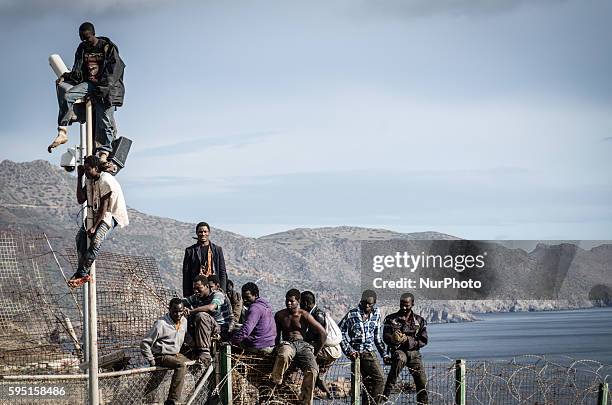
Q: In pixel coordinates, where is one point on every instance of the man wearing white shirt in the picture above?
(109, 210)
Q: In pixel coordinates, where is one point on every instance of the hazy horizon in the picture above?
(476, 119)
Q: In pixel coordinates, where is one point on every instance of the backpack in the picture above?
(334, 336)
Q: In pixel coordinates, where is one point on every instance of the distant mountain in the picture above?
(39, 197)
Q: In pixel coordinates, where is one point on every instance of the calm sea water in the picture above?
(580, 334)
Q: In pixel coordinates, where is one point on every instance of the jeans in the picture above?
(202, 327)
(87, 255)
(304, 357)
(104, 119)
(413, 360)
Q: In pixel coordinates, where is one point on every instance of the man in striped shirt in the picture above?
(227, 325)
(361, 338)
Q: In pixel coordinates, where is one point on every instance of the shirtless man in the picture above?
(290, 344)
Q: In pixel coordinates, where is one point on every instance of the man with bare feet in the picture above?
(97, 73)
(290, 326)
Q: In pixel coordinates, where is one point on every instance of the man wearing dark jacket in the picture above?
(97, 72)
(405, 333)
(203, 258)
(324, 360)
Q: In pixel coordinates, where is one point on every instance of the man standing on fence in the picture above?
(258, 333)
(162, 345)
(328, 354)
(109, 210)
(290, 324)
(203, 258)
(405, 333)
(360, 339)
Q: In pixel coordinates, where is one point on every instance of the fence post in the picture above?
(459, 382)
(603, 394)
(225, 360)
(355, 382)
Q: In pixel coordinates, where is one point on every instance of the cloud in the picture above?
(420, 8)
(203, 143)
(607, 139)
(41, 8)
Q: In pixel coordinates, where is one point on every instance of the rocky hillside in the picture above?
(37, 196)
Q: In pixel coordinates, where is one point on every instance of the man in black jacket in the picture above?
(405, 333)
(203, 258)
(97, 73)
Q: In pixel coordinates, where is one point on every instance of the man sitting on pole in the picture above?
(162, 345)
(109, 210)
(97, 73)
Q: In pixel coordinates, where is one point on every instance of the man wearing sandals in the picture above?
(97, 73)
(109, 210)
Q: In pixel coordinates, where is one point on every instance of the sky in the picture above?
(481, 119)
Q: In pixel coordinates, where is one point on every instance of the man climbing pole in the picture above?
(97, 73)
(109, 210)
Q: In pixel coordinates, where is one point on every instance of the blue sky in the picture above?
(480, 119)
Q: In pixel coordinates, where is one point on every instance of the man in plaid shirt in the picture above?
(361, 336)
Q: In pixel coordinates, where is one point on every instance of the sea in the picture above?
(558, 335)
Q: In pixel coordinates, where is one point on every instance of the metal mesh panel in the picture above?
(39, 317)
(522, 381)
(147, 387)
(41, 325)
(130, 296)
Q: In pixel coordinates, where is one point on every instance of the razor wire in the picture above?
(524, 380)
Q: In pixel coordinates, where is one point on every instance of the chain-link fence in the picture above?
(41, 327)
(526, 380)
(135, 387)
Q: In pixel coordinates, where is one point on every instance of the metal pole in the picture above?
(85, 303)
(603, 394)
(226, 374)
(91, 286)
(205, 379)
(356, 381)
(460, 382)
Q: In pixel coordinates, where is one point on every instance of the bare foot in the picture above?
(60, 139)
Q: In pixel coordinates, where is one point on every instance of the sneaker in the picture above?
(60, 139)
(109, 167)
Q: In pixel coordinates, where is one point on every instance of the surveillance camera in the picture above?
(69, 160)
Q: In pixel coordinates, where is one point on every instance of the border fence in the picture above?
(526, 380)
(41, 348)
(41, 324)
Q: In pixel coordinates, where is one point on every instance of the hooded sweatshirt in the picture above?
(259, 328)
